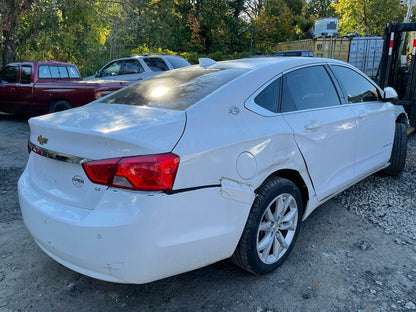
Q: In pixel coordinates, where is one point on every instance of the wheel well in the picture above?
(402, 119)
(296, 178)
(53, 102)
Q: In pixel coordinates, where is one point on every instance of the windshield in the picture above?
(178, 89)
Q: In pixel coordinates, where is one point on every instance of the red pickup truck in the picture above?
(35, 88)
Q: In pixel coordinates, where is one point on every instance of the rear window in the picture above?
(156, 64)
(178, 62)
(57, 72)
(178, 89)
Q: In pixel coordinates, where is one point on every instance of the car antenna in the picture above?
(205, 61)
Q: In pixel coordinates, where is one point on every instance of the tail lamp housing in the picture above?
(142, 173)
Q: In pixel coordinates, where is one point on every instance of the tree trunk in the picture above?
(9, 32)
(9, 48)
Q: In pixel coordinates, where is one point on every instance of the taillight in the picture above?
(144, 173)
(101, 94)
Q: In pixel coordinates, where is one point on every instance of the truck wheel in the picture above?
(60, 106)
(399, 151)
(271, 229)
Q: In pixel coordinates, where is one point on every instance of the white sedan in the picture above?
(204, 163)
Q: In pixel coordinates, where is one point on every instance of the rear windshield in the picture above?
(178, 89)
(57, 72)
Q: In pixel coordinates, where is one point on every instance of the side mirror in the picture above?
(97, 74)
(390, 94)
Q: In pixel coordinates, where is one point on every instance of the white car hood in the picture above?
(98, 131)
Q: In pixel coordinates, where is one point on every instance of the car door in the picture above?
(132, 69)
(375, 120)
(111, 70)
(24, 96)
(9, 76)
(324, 130)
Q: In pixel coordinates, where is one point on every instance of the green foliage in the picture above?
(320, 8)
(367, 17)
(90, 33)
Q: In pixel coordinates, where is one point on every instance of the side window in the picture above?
(308, 88)
(43, 71)
(112, 69)
(26, 74)
(73, 72)
(358, 88)
(9, 74)
(156, 63)
(269, 97)
(131, 67)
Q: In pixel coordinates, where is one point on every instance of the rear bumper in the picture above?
(133, 237)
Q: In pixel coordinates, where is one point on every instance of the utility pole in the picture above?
(409, 10)
(409, 4)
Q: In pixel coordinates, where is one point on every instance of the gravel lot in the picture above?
(389, 202)
(355, 253)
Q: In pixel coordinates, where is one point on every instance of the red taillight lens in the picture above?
(101, 171)
(144, 173)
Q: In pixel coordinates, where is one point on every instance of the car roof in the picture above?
(143, 56)
(282, 62)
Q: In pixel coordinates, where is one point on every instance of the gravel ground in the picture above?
(389, 202)
(355, 253)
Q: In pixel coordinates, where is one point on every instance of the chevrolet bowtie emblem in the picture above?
(42, 140)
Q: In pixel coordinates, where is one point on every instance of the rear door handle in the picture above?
(313, 125)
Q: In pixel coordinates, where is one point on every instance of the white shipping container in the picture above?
(365, 54)
(327, 26)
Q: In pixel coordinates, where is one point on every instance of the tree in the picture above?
(320, 8)
(367, 17)
(272, 25)
(11, 12)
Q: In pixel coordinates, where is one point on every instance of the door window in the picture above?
(156, 64)
(131, 67)
(357, 88)
(111, 69)
(26, 74)
(308, 88)
(9, 74)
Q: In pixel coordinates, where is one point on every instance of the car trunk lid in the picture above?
(62, 141)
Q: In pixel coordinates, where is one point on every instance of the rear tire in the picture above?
(60, 106)
(399, 151)
(272, 227)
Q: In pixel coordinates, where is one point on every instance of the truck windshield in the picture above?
(177, 89)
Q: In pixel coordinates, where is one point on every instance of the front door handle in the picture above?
(313, 125)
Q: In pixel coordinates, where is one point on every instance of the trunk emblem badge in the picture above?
(78, 181)
(42, 140)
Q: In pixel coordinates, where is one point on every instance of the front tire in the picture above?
(399, 151)
(272, 227)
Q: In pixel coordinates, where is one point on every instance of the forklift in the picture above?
(392, 72)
